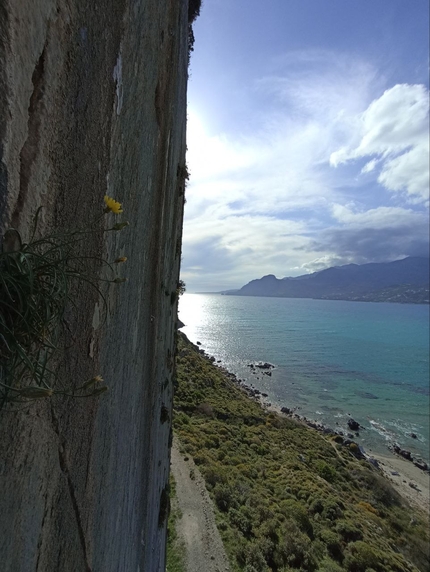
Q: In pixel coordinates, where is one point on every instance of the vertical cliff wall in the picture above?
(93, 102)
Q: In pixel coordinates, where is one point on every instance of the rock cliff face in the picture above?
(93, 102)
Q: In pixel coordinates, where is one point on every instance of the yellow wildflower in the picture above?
(120, 259)
(112, 205)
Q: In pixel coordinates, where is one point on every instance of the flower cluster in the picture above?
(112, 205)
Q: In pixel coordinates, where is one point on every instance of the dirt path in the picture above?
(196, 527)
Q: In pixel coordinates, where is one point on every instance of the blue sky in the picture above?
(307, 137)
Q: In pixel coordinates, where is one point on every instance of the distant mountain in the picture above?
(404, 281)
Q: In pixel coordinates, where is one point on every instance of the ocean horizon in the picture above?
(334, 360)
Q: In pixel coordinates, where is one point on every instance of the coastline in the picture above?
(375, 373)
(412, 483)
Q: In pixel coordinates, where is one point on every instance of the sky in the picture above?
(307, 137)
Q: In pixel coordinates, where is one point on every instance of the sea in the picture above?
(333, 360)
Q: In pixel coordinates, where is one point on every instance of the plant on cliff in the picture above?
(194, 7)
(193, 12)
(35, 290)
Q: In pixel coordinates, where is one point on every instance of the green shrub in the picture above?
(326, 471)
(317, 506)
(348, 531)
(329, 566)
(214, 474)
(360, 557)
(332, 509)
(241, 520)
(332, 542)
(253, 558)
(296, 511)
(200, 459)
(224, 497)
(294, 547)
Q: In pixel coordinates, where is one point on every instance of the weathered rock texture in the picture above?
(93, 101)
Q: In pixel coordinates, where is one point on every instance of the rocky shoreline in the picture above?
(415, 478)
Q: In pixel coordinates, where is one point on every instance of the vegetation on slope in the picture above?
(286, 497)
(175, 553)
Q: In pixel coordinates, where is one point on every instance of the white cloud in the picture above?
(373, 235)
(267, 201)
(322, 262)
(395, 128)
(409, 171)
(370, 166)
(381, 217)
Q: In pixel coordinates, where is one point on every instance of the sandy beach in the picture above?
(410, 481)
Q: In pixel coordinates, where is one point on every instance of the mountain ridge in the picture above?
(405, 281)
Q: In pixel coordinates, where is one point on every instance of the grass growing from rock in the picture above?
(286, 497)
(36, 279)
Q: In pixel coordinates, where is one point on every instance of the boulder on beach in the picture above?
(373, 462)
(421, 464)
(406, 454)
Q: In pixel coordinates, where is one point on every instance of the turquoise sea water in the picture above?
(332, 358)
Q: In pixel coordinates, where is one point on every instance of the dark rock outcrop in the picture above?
(353, 425)
(421, 464)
